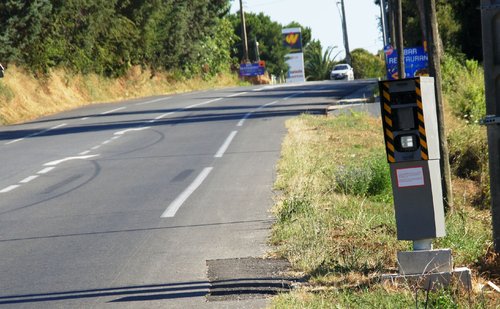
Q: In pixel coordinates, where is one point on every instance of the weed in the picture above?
(336, 220)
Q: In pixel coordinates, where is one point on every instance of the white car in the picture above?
(342, 71)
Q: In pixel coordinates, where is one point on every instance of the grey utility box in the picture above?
(412, 145)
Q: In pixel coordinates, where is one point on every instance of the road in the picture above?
(121, 205)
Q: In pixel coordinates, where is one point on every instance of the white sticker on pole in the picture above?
(410, 177)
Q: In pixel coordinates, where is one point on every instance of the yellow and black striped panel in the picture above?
(424, 152)
(385, 102)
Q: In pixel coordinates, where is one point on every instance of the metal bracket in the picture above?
(490, 120)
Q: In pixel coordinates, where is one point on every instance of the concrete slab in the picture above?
(425, 261)
(431, 281)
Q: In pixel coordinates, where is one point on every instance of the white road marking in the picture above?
(96, 147)
(164, 115)
(293, 95)
(113, 110)
(14, 141)
(269, 104)
(56, 162)
(203, 103)
(37, 133)
(224, 146)
(84, 152)
(45, 170)
(106, 142)
(236, 94)
(153, 101)
(84, 118)
(9, 188)
(242, 121)
(131, 130)
(28, 179)
(177, 203)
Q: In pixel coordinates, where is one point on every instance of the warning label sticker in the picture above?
(410, 177)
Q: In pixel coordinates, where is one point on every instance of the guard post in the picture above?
(409, 118)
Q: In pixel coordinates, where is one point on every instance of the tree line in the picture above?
(196, 37)
(109, 36)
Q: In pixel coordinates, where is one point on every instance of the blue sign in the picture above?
(416, 62)
(251, 69)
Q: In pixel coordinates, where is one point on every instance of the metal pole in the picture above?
(257, 53)
(399, 40)
(244, 34)
(392, 22)
(491, 55)
(383, 22)
(433, 48)
(346, 39)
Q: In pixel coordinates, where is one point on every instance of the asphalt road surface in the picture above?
(120, 205)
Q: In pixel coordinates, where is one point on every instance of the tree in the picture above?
(459, 26)
(367, 65)
(268, 33)
(318, 64)
(24, 26)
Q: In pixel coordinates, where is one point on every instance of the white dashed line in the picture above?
(236, 94)
(131, 130)
(84, 153)
(224, 146)
(293, 95)
(28, 179)
(153, 101)
(9, 188)
(37, 133)
(164, 115)
(242, 121)
(45, 170)
(177, 203)
(113, 110)
(203, 103)
(56, 162)
(14, 141)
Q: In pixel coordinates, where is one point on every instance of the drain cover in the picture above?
(246, 278)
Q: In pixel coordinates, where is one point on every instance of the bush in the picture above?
(369, 179)
(469, 158)
(367, 65)
(463, 85)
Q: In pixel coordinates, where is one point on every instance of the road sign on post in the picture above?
(490, 16)
(252, 69)
(415, 58)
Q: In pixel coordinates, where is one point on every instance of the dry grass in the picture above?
(345, 241)
(24, 97)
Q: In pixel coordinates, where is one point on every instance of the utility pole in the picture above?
(392, 22)
(491, 55)
(399, 39)
(244, 34)
(383, 21)
(257, 52)
(434, 52)
(346, 39)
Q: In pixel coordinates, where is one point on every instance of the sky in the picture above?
(323, 17)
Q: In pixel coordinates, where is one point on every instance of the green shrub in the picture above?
(463, 86)
(370, 179)
(469, 159)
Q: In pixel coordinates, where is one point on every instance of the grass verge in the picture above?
(24, 97)
(335, 221)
